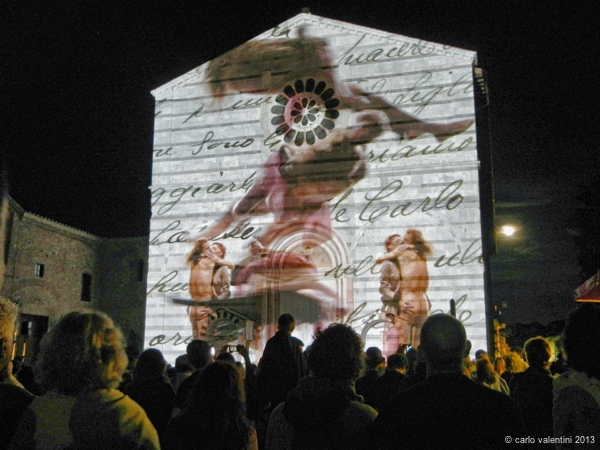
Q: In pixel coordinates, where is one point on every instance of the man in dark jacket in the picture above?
(282, 364)
(388, 384)
(375, 363)
(447, 410)
(323, 411)
(199, 357)
(532, 390)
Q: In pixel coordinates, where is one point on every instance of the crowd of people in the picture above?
(330, 395)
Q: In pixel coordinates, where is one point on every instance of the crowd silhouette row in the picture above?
(329, 395)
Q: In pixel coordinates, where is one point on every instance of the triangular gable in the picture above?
(323, 27)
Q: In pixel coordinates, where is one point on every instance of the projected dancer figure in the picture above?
(296, 184)
(413, 303)
(318, 160)
(289, 271)
(209, 280)
(297, 59)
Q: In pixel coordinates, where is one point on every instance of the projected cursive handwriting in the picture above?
(409, 151)
(211, 145)
(461, 314)
(196, 113)
(163, 152)
(157, 104)
(471, 254)
(162, 284)
(422, 94)
(176, 195)
(364, 266)
(349, 58)
(362, 321)
(172, 235)
(448, 198)
(217, 188)
(240, 104)
(163, 236)
(176, 340)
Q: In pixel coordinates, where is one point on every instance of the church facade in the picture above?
(317, 141)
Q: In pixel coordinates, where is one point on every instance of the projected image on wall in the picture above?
(319, 172)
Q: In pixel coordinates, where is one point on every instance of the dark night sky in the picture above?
(77, 117)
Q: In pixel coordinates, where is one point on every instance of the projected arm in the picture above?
(405, 125)
(219, 261)
(394, 253)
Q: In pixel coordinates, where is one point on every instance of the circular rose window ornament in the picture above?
(303, 112)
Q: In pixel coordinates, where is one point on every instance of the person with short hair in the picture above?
(323, 411)
(576, 406)
(481, 353)
(282, 364)
(532, 390)
(499, 365)
(183, 369)
(199, 357)
(81, 362)
(375, 363)
(388, 384)
(447, 410)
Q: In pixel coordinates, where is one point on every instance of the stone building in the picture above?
(51, 268)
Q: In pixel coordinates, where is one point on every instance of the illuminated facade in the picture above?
(319, 139)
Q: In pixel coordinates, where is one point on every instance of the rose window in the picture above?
(305, 112)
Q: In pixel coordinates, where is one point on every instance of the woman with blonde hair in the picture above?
(514, 364)
(499, 366)
(81, 363)
(486, 376)
(576, 393)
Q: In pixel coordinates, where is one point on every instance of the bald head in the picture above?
(443, 341)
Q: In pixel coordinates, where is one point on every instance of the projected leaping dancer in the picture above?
(288, 271)
(316, 161)
(412, 309)
(296, 186)
(209, 280)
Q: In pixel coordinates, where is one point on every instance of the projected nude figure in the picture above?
(316, 160)
(389, 288)
(413, 307)
(209, 280)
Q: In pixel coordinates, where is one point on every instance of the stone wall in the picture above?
(117, 268)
